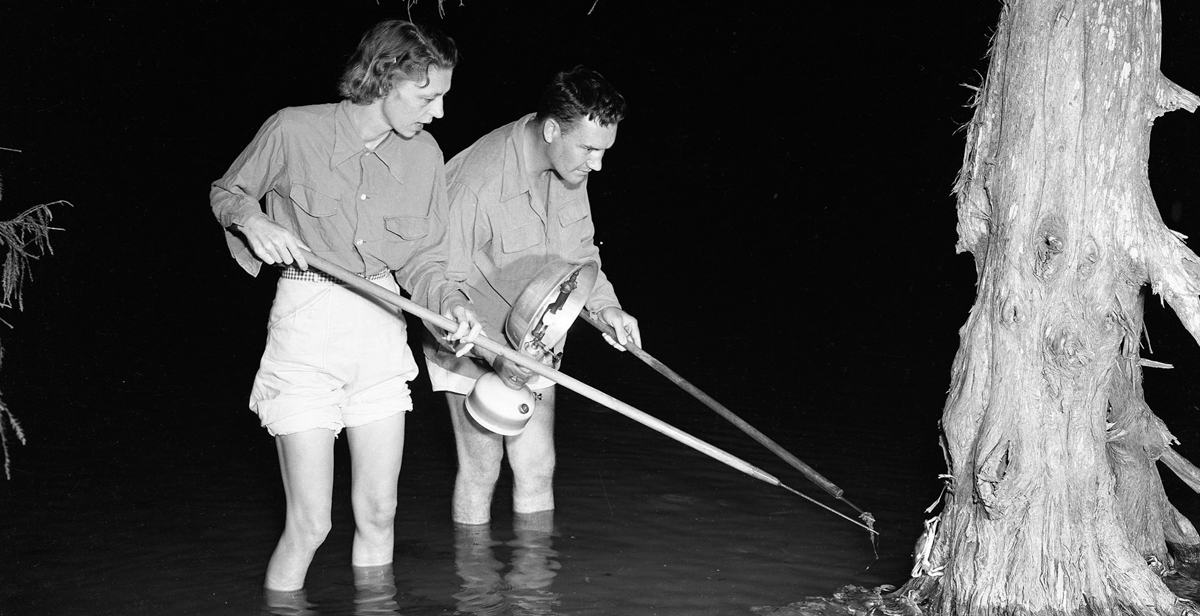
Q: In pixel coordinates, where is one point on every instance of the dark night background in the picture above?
(780, 192)
(777, 204)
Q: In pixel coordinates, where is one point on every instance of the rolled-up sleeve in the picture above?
(235, 197)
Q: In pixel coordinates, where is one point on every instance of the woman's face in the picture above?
(410, 106)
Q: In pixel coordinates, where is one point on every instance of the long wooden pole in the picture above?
(754, 433)
(572, 383)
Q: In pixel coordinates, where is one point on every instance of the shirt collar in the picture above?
(347, 144)
(391, 152)
(515, 181)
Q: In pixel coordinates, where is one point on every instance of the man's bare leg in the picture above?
(479, 455)
(531, 455)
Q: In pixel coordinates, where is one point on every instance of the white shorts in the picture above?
(334, 358)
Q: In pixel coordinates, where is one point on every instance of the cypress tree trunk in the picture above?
(1054, 501)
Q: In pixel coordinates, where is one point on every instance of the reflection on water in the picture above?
(374, 595)
(375, 591)
(287, 603)
(525, 588)
(497, 578)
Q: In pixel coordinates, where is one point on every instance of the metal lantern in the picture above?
(498, 407)
(546, 308)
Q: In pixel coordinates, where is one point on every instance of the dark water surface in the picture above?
(162, 503)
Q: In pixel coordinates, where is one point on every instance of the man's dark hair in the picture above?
(392, 52)
(581, 93)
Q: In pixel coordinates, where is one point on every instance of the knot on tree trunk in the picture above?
(1066, 354)
(990, 473)
(1047, 261)
(1010, 313)
(1090, 259)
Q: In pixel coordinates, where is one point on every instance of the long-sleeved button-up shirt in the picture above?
(365, 210)
(503, 230)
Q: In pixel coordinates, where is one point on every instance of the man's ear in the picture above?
(550, 130)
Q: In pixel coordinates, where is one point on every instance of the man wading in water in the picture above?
(518, 200)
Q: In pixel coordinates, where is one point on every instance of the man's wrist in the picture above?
(455, 299)
(242, 220)
(598, 313)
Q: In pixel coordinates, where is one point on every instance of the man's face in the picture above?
(579, 152)
(410, 106)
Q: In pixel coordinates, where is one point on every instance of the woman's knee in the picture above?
(377, 513)
(310, 528)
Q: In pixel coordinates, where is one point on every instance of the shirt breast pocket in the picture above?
(521, 250)
(410, 228)
(406, 235)
(313, 202)
(573, 212)
(514, 241)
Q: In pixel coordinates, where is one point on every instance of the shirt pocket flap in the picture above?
(572, 212)
(408, 227)
(520, 238)
(314, 203)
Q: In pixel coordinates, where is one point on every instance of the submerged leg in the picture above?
(306, 464)
(376, 451)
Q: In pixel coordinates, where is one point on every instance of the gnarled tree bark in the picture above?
(1055, 504)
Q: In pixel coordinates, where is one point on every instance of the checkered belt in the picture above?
(292, 272)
